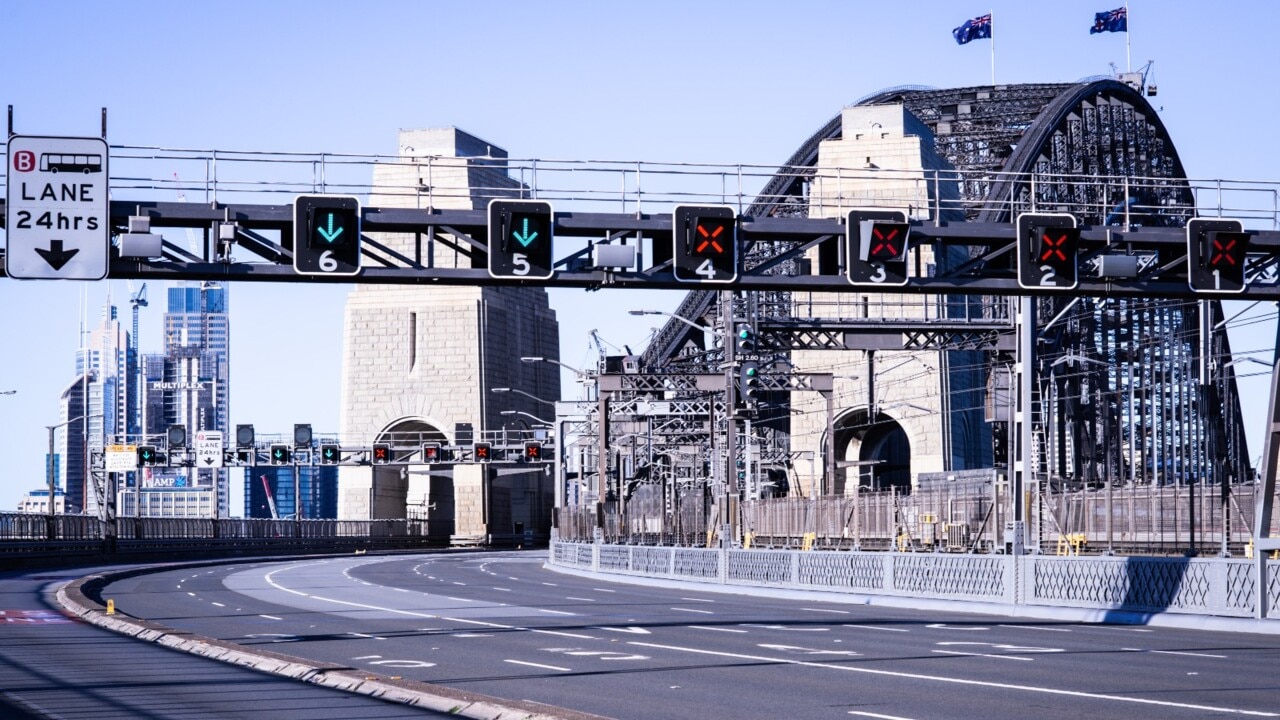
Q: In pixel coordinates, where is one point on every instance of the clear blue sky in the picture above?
(715, 82)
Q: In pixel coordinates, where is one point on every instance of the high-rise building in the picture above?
(188, 385)
(269, 492)
(97, 407)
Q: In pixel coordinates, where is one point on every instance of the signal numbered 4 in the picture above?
(1216, 250)
(876, 247)
(520, 239)
(705, 243)
(1048, 248)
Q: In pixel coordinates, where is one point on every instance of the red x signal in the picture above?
(709, 238)
(886, 243)
(1052, 249)
(1223, 249)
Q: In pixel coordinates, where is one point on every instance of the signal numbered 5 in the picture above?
(520, 239)
(1048, 248)
(705, 248)
(1216, 250)
(876, 245)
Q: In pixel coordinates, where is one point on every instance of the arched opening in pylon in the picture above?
(873, 452)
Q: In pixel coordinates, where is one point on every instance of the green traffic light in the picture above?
(751, 371)
(330, 234)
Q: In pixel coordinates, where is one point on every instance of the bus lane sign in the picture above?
(57, 218)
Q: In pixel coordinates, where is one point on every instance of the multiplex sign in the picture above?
(56, 208)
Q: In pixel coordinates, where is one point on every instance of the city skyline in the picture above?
(287, 337)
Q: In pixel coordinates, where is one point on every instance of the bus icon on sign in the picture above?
(58, 162)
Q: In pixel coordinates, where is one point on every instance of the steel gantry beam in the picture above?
(1158, 253)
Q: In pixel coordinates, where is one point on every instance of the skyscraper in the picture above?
(188, 385)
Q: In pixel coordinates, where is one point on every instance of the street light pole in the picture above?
(49, 475)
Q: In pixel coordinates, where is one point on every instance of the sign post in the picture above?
(209, 449)
(57, 218)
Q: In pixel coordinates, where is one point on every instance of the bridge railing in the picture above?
(227, 176)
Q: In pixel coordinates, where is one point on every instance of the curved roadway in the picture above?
(503, 625)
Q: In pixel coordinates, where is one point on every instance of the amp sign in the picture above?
(56, 208)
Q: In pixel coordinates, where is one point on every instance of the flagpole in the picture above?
(992, 48)
(1128, 56)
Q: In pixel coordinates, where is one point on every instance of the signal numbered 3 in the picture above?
(1048, 248)
(520, 239)
(705, 244)
(326, 235)
(1216, 250)
(876, 247)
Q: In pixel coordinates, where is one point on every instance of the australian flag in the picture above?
(975, 29)
(1111, 21)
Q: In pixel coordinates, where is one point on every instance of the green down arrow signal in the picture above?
(279, 453)
(524, 236)
(328, 453)
(330, 235)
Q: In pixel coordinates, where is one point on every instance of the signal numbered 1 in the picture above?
(1216, 250)
(1048, 248)
(876, 247)
(705, 244)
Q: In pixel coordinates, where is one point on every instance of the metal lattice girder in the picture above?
(653, 383)
(957, 340)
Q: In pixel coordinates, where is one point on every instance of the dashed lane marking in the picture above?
(700, 612)
(876, 627)
(538, 665)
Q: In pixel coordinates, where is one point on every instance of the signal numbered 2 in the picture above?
(520, 239)
(1048, 248)
(705, 244)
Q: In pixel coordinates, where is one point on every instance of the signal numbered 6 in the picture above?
(326, 235)
(705, 243)
(1048, 248)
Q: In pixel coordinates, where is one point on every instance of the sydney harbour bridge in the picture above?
(958, 409)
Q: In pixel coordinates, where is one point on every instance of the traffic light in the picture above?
(280, 455)
(301, 435)
(176, 437)
(1216, 251)
(749, 385)
(533, 451)
(746, 338)
(247, 458)
(1048, 250)
(326, 235)
(146, 456)
(482, 452)
(705, 248)
(330, 454)
(381, 454)
(244, 436)
(876, 247)
(431, 453)
(520, 239)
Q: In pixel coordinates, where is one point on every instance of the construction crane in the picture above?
(271, 503)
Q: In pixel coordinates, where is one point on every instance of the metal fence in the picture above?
(1202, 586)
(1145, 519)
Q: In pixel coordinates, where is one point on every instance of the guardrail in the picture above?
(1200, 586)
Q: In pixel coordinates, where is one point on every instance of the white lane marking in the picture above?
(191, 594)
(513, 578)
(1175, 652)
(704, 627)
(700, 612)
(985, 655)
(554, 612)
(873, 627)
(403, 663)
(877, 715)
(450, 597)
(697, 599)
(580, 599)
(805, 651)
(958, 681)
(603, 590)
(565, 634)
(271, 617)
(455, 582)
(1121, 629)
(1034, 627)
(1010, 648)
(219, 604)
(551, 584)
(363, 635)
(944, 626)
(537, 665)
(629, 629)
(837, 612)
(784, 627)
